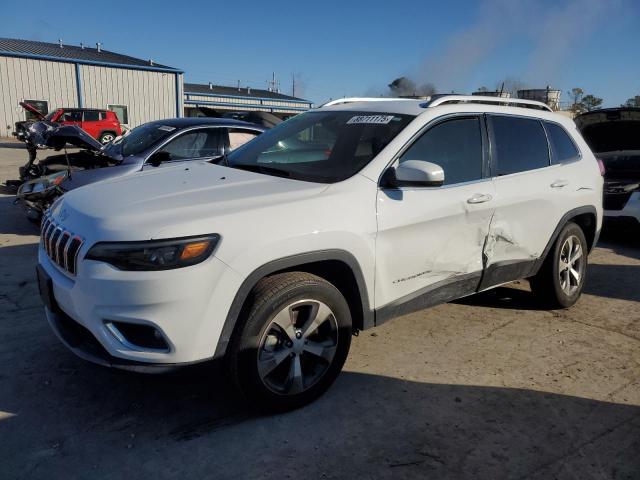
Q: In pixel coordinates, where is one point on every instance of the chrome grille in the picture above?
(62, 246)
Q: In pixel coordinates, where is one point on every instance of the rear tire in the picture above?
(291, 341)
(560, 280)
(106, 137)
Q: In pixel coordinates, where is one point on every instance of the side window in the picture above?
(238, 137)
(563, 148)
(455, 145)
(71, 116)
(519, 144)
(91, 116)
(194, 144)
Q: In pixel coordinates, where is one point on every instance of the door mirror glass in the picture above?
(159, 157)
(419, 173)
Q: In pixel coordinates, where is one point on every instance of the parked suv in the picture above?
(335, 221)
(613, 134)
(103, 125)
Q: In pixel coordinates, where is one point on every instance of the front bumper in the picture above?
(187, 306)
(630, 211)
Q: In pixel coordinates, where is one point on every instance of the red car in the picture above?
(103, 125)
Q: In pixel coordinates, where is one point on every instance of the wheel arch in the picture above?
(586, 217)
(338, 267)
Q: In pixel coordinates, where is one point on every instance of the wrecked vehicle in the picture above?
(103, 125)
(614, 136)
(335, 221)
(152, 145)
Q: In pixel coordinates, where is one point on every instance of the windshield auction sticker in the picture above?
(376, 119)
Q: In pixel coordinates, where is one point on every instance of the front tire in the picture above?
(561, 278)
(292, 341)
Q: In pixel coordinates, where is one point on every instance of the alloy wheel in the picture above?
(571, 265)
(297, 347)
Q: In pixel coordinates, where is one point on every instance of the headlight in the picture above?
(155, 254)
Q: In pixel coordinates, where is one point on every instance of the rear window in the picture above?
(563, 148)
(518, 144)
(91, 116)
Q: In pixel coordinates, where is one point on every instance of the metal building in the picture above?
(547, 95)
(199, 99)
(52, 75)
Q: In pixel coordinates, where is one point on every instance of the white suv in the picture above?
(335, 221)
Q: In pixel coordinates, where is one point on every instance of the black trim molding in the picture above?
(284, 264)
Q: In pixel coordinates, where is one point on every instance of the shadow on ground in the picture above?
(14, 219)
(16, 145)
(72, 418)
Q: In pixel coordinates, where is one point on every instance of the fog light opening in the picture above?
(136, 336)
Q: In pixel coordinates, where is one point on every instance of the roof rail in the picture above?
(364, 99)
(507, 102)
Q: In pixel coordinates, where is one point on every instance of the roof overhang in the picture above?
(150, 68)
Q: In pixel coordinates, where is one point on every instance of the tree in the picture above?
(576, 94)
(590, 102)
(633, 102)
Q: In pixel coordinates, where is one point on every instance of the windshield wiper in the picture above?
(262, 169)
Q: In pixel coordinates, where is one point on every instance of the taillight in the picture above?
(601, 167)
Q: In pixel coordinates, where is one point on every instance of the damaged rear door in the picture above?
(531, 197)
(430, 239)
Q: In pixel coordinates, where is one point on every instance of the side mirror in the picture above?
(157, 158)
(415, 173)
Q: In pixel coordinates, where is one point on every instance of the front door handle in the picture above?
(560, 183)
(479, 198)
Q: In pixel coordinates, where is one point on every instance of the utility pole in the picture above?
(273, 84)
(293, 84)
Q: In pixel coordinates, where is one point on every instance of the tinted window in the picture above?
(321, 146)
(455, 145)
(519, 144)
(561, 144)
(91, 116)
(195, 144)
(71, 116)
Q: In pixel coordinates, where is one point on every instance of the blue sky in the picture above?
(338, 48)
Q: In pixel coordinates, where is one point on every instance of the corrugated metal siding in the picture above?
(148, 95)
(22, 78)
(245, 101)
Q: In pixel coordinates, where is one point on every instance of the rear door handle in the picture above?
(479, 198)
(559, 183)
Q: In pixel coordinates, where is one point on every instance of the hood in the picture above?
(73, 135)
(81, 178)
(30, 108)
(197, 197)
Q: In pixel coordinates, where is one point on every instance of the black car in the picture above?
(613, 134)
(149, 146)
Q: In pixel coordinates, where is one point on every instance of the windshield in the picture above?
(140, 138)
(321, 146)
